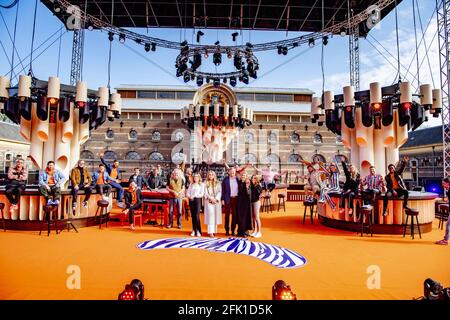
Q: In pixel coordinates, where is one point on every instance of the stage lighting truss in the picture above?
(245, 63)
(89, 21)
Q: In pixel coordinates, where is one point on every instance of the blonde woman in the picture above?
(195, 193)
(213, 206)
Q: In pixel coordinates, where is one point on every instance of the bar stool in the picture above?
(2, 207)
(309, 204)
(413, 213)
(102, 212)
(444, 215)
(50, 210)
(366, 212)
(266, 204)
(281, 201)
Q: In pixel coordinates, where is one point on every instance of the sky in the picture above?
(300, 68)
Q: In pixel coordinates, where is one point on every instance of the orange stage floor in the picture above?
(34, 267)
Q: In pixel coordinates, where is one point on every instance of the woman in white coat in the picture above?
(213, 206)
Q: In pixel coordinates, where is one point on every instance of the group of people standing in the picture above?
(323, 180)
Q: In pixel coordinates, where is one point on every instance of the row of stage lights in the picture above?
(215, 115)
(377, 105)
(95, 108)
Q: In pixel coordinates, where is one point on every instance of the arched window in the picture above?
(110, 155)
(273, 138)
(156, 136)
(86, 154)
(295, 138)
(133, 134)
(294, 158)
(132, 155)
(249, 158)
(317, 138)
(109, 134)
(249, 137)
(156, 156)
(179, 136)
(178, 158)
(318, 158)
(272, 158)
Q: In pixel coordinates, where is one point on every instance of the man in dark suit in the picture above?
(155, 181)
(395, 185)
(138, 179)
(230, 189)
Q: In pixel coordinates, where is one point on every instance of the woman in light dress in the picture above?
(213, 206)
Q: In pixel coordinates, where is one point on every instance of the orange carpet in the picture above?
(34, 267)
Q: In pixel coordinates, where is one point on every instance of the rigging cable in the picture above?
(14, 41)
(11, 38)
(415, 38)
(398, 45)
(30, 72)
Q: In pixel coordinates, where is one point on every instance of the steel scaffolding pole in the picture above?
(77, 56)
(443, 19)
(354, 57)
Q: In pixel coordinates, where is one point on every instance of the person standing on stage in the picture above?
(446, 186)
(195, 193)
(50, 181)
(229, 200)
(115, 177)
(244, 204)
(176, 188)
(138, 179)
(351, 186)
(312, 187)
(155, 180)
(256, 193)
(332, 174)
(17, 180)
(80, 179)
(133, 202)
(395, 185)
(213, 207)
(372, 185)
(101, 180)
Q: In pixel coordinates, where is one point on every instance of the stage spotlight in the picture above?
(237, 61)
(233, 81)
(245, 78)
(56, 8)
(199, 81)
(417, 115)
(234, 35)
(110, 36)
(367, 117)
(229, 54)
(311, 42)
(285, 51)
(133, 291)
(404, 109)
(147, 47)
(153, 46)
(280, 49)
(325, 40)
(181, 69)
(387, 112)
(216, 82)
(208, 79)
(199, 35)
(282, 291)
(187, 77)
(295, 45)
(196, 60)
(217, 42)
(122, 38)
(224, 80)
(206, 55)
(217, 57)
(437, 102)
(343, 32)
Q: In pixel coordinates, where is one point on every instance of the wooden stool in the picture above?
(444, 215)
(310, 204)
(413, 213)
(102, 212)
(48, 211)
(266, 204)
(281, 200)
(2, 207)
(366, 211)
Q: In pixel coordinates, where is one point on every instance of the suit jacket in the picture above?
(128, 199)
(109, 166)
(226, 189)
(75, 176)
(140, 180)
(397, 176)
(155, 182)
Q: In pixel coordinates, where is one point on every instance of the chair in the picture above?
(444, 215)
(266, 204)
(366, 214)
(309, 204)
(413, 213)
(48, 211)
(2, 207)
(102, 212)
(281, 201)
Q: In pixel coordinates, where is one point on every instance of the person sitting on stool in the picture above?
(101, 180)
(17, 179)
(50, 180)
(133, 202)
(372, 185)
(395, 185)
(446, 186)
(80, 178)
(138, 179)
(351, 186)
(312, 187)
(115, 177)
